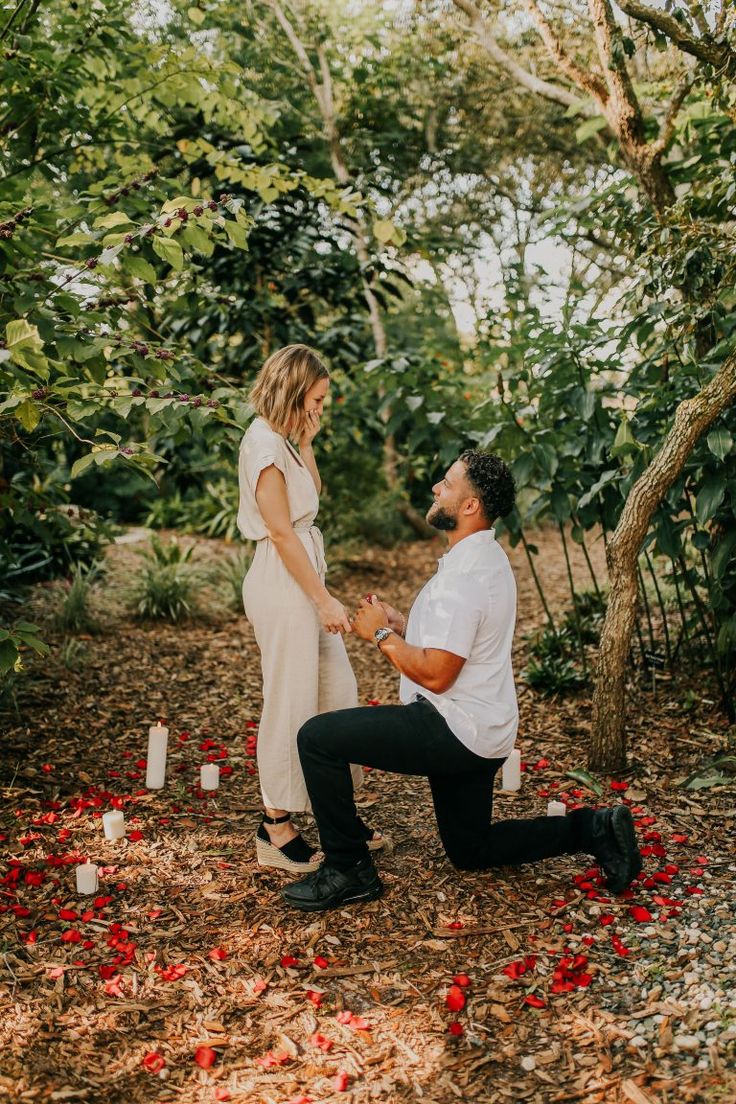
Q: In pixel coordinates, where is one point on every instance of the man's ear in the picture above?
(472, 507)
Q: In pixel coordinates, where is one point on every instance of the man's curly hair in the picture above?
(492, 481)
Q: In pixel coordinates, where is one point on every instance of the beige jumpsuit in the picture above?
(305, 669)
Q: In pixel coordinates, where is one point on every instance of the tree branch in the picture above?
(667, 127)
(713, 53)
(622, 104)
(585, 80)
(526, 79)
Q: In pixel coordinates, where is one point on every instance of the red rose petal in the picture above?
(205, 1057)
(153, 1062)
(533, 1001)
(341, 1082)
(455, 1028)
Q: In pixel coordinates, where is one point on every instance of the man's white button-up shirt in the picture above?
(469, 608)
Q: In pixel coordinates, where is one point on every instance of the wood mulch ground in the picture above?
(188, 956)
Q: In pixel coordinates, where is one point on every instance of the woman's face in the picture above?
(316, 395)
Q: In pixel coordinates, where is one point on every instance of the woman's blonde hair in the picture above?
(282, 384)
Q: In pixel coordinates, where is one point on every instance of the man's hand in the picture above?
(369, 617)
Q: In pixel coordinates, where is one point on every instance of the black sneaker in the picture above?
(613, 842)
(329, 888)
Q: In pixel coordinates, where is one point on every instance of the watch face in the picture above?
(381, 634)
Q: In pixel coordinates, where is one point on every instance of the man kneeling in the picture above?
(459, 719)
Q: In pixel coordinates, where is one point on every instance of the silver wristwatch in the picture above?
(380, 635)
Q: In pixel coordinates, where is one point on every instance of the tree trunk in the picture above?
(692, 418)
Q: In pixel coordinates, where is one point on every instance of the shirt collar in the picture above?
(465, 547)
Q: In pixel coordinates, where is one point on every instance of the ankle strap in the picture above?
(276, 820)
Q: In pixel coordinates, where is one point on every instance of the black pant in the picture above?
(415, 739)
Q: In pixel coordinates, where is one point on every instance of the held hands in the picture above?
(333, 616)
(370, 616)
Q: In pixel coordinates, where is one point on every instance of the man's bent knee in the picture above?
(308, 735)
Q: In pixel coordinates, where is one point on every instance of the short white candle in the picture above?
(511, 774)
(113, 822)
(87, 878)
(556, 808)
(158, 738)
(209, 776)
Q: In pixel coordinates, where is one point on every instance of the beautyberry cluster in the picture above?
(7, 229)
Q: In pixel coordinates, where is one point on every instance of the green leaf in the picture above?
(586, 779)
(28, 415)
(624, 442)
(720, 442)
(24, 345)
(236, 234)
(9, 656)
(199, 240)
(710, 496)
(589, 128)
(196, 15)
(79, 466)
(141, 269)
(170, 251)
(115, 218)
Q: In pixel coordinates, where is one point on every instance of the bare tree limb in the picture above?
(718, 54)
(527, 80)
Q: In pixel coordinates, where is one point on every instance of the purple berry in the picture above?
(136, 392)
(199, 209)
(91, 262)
(153, 394)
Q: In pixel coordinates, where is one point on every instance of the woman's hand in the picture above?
(333, 616)
(311, 428)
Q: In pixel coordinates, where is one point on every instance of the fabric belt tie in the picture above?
(318, 544)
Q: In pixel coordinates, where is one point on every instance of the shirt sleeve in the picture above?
(258, 456)
(453, 614)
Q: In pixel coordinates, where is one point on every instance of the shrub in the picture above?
(168, 582)
(230, 574)
(73, 613)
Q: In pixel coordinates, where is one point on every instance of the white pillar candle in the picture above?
(113, 822)
(209, 776)
(158, 738)
(87, 878)
(511, 775)
(556, 808)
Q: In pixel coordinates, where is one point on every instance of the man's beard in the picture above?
(439, 518)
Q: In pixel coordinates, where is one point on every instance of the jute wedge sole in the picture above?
(269, 855)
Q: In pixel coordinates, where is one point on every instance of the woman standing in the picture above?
(297, 622)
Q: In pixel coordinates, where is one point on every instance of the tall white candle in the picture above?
(158, 738)
(209, 776)
(511, 774)
(113, 822)
(87, 878)
(556, 808)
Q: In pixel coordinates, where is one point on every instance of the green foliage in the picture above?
(230, 574)
(167, 584)
(15, 641)
(73, 613)
(212, 512)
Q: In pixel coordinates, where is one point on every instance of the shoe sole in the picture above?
(335, 902)
(270, 856)
(622, 826)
